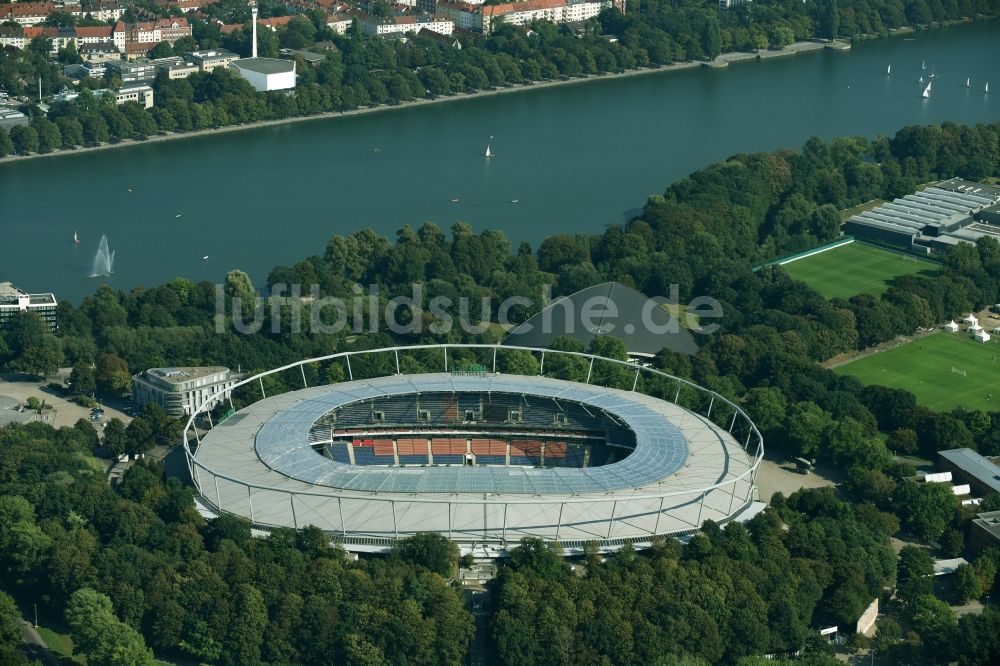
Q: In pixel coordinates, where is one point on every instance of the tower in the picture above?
(253, 17)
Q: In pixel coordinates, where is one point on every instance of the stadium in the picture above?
(483, 444)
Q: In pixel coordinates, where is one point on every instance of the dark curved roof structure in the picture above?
(611, 309)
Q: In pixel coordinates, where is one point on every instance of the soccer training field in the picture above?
(924, 368)
(855, 269)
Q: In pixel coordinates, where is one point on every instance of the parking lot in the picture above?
(15, 392)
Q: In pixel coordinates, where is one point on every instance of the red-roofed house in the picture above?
(26, 13)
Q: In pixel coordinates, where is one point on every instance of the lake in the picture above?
(577, 158)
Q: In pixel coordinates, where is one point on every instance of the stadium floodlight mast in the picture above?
(691, 462)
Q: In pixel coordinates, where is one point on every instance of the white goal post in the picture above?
(958, 371)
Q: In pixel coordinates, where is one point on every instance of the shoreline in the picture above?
(722, 62)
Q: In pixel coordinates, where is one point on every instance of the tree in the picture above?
(6, 145)
(82, 380)
(115, 438)
(915, 572)
(49, 136)
(102, 637)
(430, 550)
(10, 627)
(930, 616)
(112, 375)
(140, 436)
(246, 631)
(24, 138)
(967, 583)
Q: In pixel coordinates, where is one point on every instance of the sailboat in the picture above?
(488, 153)
(927, 91)
(921, 80)
(968, 83)
(923, 64)
(76, 239)
(987, 88)
(888, 70)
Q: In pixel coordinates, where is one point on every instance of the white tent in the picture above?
(975, 328)
(982, 336)
(971, 320)
(951, 327)
(996, 330)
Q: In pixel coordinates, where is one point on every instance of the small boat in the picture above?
(454, 199)
(888, 70)
(921, 80)
(76, 239)
(968, 83)
(177, 215)
(488, 153)
(514, 200)
(130, 189)
(987, 88)
(205, 258)
(927, 91)
(923, 64)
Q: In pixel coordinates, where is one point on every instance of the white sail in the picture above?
(921, 80)
(968, 83)
(888, 70)
(923, 64)
(927, 91)
(489, 153)
(987, 88)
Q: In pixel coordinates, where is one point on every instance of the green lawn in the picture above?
(855, 269)
(61, 644)
(924, 368)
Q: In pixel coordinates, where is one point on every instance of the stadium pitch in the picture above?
(943, 370)
(855, 269)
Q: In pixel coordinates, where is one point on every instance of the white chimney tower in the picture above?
(253, 13)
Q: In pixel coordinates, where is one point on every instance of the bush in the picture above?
(84, 400)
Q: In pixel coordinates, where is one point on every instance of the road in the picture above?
(34, 647)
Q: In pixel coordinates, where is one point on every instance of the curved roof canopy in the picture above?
(612, 309)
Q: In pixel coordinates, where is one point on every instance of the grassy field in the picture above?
(855, 269)
(924, 368)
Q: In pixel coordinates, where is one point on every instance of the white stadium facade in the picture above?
(439, 438)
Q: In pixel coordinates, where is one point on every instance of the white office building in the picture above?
(180, 391)
(13, 300)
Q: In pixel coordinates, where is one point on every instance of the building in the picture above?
(10, 117)
(480, 456)
(13, 300)
(311, 57)
(26, 13)
(95, 53)
(972, 468)
(379, 26)
(180, 391)
(132, 71)
(150, 32)
(265, 74)
(934, 219)
(612, 309)
(339, 22)
(140, 94)
(176, 67)
(82, 71)
(206, 61)
(985, 532)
